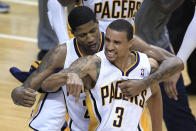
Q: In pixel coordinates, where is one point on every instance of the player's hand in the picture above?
(74, 85)
(24, 96)
(132, 88)
(170, 86)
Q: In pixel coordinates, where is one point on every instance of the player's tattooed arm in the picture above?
(133, 87)
(168, 71)
(153, 64)
(83, 67)
(72, 77)
(24, 96)
(169, 64)
(53, 60)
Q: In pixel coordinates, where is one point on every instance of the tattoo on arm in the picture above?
(47, 67)
(164, 73)
(85, 66)
(78, 66)
(169, 63)
(98, 67)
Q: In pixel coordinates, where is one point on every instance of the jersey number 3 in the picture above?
(119, 111)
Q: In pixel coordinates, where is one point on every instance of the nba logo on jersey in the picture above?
(142, 72)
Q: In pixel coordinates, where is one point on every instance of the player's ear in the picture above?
(130, 42)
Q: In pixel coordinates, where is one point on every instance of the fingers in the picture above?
(24, 96)
(174, 89)
(30, 92)
(170, 90)
(74, 87)
(69, 85)
(167, 90)
(28, 103)
(173, 92)
(129, 91)
(126, 92)
(122, 84)
(132, 87)
(124, 89)
(29, 98)
(76, 92)
(77, 95)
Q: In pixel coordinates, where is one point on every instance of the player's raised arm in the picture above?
(72, 76)
(54, 59)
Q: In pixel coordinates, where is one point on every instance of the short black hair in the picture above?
(122, 25)
(80, 15)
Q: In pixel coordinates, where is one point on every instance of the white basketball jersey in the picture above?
(108, 108)
(78, 115)
(110, 10)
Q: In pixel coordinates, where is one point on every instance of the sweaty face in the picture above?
(116, 45)
(89, 36)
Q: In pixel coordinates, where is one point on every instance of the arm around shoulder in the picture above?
(53, 60)
(82, 67)
(169, 64)
(27, 91)
(72, 77)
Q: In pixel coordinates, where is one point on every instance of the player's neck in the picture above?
(127, 61)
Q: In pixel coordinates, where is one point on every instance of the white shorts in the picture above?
(49, 114)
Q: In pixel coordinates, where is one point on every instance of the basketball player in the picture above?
(88, 41)
(152, 28)
(107, 11)
(109, 109)
(55, 59)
